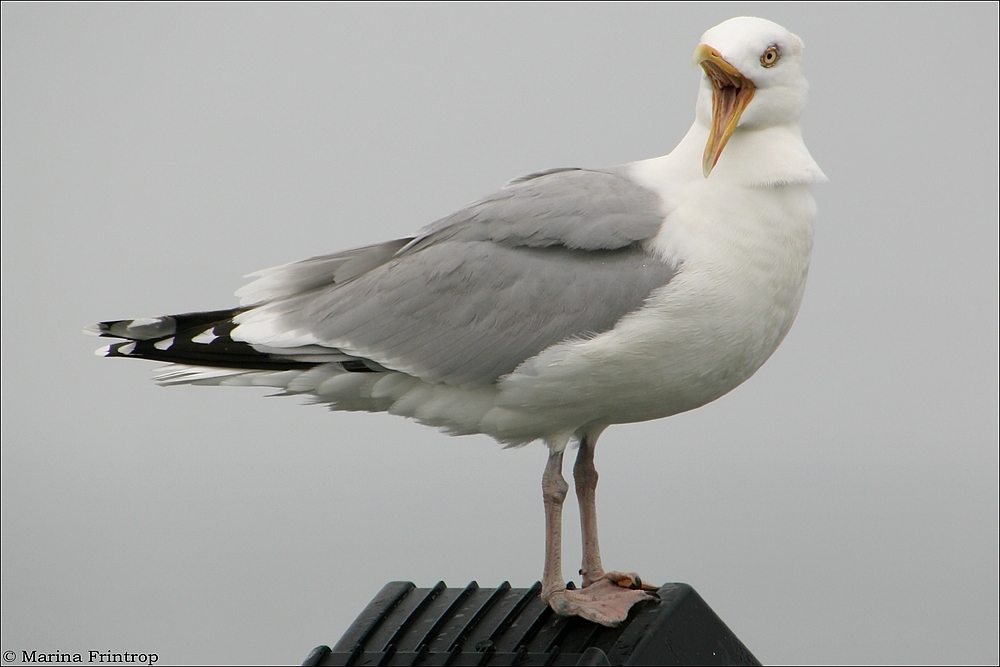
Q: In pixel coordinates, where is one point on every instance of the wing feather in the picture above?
(550, 257)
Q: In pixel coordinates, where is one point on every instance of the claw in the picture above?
(629, 580)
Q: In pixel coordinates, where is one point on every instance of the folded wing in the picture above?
(554, 256)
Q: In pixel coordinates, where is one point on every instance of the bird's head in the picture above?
(751, 79)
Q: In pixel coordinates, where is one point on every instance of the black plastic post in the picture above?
(406, 625)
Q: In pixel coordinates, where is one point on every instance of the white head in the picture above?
(752, 78)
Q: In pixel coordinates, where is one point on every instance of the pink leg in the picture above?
(585, 476)
(554, 489)
(605, 598)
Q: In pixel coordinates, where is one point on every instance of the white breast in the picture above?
(744, 253)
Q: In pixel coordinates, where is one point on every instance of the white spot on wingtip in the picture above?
(164, 344)
(128, 348)
(102, 351)
(205, 337)
(144, 322)
(93, 330)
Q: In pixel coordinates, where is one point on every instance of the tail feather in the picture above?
(178, 374)
(204, 340)
(148, 328)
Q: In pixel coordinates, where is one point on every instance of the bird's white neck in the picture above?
(765, 157)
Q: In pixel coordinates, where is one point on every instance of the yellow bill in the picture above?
(731, 93)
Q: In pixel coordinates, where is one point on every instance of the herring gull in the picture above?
(569, 300)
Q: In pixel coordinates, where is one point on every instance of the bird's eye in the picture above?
(770, 56)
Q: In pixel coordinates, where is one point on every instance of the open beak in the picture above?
(731, 93)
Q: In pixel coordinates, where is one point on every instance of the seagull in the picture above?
(570, 300)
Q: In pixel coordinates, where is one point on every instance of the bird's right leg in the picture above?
(585, 476)
(592, 570)
(603, 601)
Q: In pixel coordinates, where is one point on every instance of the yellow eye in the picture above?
(770, 56)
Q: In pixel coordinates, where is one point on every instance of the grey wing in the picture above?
(549, 258)
(576, 208)
(288, 280)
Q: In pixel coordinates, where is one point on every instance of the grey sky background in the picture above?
(841, 506)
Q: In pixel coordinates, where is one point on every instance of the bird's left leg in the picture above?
(554, 490)
(605, 598)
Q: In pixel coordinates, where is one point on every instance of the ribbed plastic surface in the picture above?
(406, 625)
